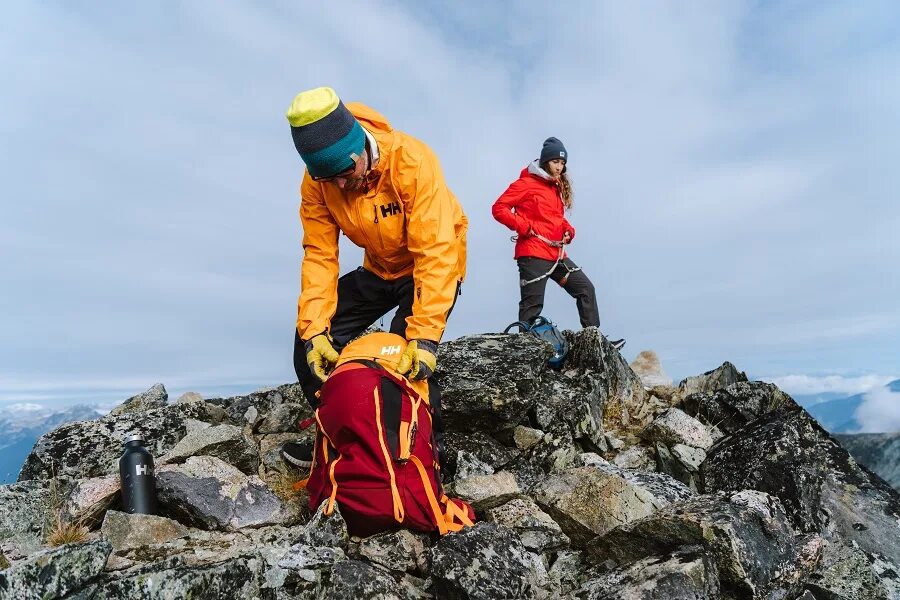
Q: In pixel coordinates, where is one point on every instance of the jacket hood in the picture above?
(534, 168)
(370, 118)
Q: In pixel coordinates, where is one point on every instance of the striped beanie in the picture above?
(327, 136)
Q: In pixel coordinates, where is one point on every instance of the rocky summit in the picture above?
(588, 482)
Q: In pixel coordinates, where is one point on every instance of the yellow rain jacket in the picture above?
(406, 219)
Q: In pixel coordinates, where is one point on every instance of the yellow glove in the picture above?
(320, 355)
(419, 360)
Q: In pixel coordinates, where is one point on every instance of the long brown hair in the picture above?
(566, 191)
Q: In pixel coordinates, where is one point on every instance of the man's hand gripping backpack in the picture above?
(374, 453)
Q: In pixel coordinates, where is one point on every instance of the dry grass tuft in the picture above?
(62, 530)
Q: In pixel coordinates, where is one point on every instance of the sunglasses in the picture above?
(342, 175)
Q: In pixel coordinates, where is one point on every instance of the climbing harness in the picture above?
(560, 244)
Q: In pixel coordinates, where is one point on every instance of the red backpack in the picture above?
(374, 452)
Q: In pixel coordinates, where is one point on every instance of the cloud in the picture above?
(879, 412)
(804, 385)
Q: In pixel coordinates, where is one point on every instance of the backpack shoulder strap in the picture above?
(522, 325)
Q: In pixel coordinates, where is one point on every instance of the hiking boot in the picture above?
(299, 453)
(618, 344)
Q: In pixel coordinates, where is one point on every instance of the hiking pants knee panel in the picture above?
(579, 287)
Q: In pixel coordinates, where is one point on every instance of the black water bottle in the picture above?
(136, 475)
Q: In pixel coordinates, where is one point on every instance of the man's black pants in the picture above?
(363, 298)
(575, 283)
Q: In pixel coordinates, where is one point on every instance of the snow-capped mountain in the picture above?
(22, 424)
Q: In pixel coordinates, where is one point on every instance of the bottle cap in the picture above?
(134, 437)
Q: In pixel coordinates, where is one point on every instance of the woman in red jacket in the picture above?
(534, 207)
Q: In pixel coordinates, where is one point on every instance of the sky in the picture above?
(734, 166)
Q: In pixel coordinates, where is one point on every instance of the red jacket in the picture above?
(532, 202)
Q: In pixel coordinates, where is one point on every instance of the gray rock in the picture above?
(878, 452)
(356, 579)
(635, 457)
(646, 365)
(271, 461)
(566, 573)
(587, 502)
(711, 381)
(208, 493)
(225, 442)
(89, 499)
(485, 561)
(54, 573)
(845, 572)
(732, 407)
(325, 530)
(284, 418)
(252, 408)
(469, 465)
(155, 397)
(526, 438)
(475, 449)
(489, 381)
(486, 491)
(688, 573)
(238, 577)
(747, 533)
(85, 449)
(787, 454)
(538, 532)
(25, 510)
(125, 530)
(395, 550)
(673, 427)
(303, 556)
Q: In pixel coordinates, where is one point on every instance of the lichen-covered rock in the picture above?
(89, 499)
(587, 502)
(711, 381)
(209, 493)
(125, 530)
(662, 486)
(845, 572)
(225, 442)
(325, 530)
(733, 406)
(360, 580)
(489, 381)
(468, 451)
(635, 457)
(303, 556)
(686, 574)
(284, 418)
(85, 449)
(747, 533)
(252, 408)
(25, 510)
(486, 491)
(674, 427)
(485, 561)
(538, 532)
(395, 550)
(787, 454)
(526, 438)
(155, 397)
(238, 577)
(566, 573)
(54, 573)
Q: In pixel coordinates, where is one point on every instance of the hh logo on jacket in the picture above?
(388, 210)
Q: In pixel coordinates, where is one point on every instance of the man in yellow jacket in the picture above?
(385, 191)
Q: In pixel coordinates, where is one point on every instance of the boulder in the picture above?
(486, 491)
(526, 438)
(400, 550)
(209, 493)
(468, 453)
(489, 381)
(360, 580)
(485, 561)
(155, 397)
(284, 418)
(711, 381)
(748, 534)
(89, 499)
(674, 426)
(646, 365)
(85, 449)
(252, 409)
(662, 486)
(225, 442)
(635, 457)
(587, 502)
(538, 532)
(125, 530)
(566, 573)
(54, 573)
(25, 510)
(303, 556)
(786, 453)
(734, 406)
(325, 530)
(686, 573)
(845, 572)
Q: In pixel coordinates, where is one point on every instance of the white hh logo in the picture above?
(390, 350)
(141, 469)
(562, 154)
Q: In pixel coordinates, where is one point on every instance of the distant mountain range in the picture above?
(22, 424)
(835, 413)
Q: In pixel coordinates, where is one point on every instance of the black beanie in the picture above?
(553, 148)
